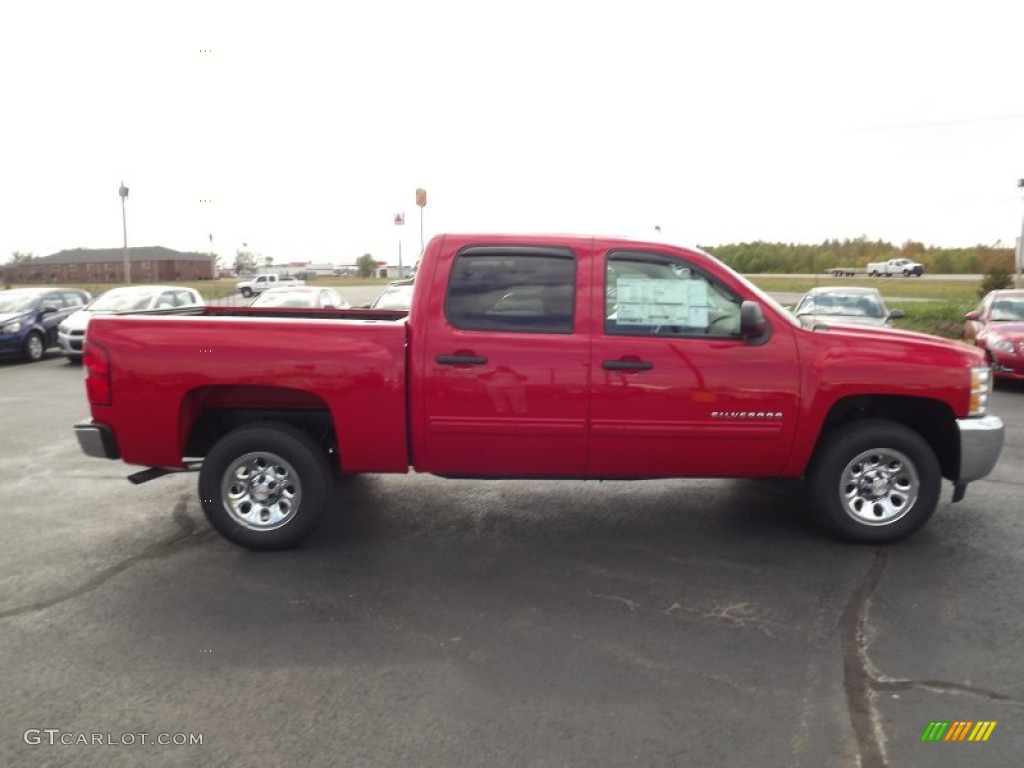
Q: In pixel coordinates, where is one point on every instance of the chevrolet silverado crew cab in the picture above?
(260, 283)
(540, 357)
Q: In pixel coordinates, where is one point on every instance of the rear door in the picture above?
(677, 391)
(504, 384)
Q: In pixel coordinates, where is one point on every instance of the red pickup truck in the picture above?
(540, 357)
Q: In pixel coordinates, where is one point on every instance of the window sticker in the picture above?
(642, 301)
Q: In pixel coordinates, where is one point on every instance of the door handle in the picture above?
(461, 360)
(627, 365)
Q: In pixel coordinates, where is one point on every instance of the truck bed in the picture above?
(346, 366)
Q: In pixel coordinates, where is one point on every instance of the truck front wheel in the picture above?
(264, 486)
(874, 481)
(246, 293)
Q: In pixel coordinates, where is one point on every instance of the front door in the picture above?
(677, 391)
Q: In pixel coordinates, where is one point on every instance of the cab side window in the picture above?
(526, 290)
(647, 294)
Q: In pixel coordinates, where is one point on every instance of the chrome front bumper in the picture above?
(981, 440)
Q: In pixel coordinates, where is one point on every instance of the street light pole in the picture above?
(399, 222)
(124, 228)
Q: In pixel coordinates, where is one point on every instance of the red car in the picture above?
(997, 326)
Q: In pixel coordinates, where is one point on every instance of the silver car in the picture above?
(130, 298)
(845, 305)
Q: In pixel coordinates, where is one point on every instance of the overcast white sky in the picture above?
(310, 124)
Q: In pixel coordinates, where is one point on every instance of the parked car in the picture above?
(130, 298)
(307, 296)
(845, 305)
(997, 326)
(397, 295)
(29, 318)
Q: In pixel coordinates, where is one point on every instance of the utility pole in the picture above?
(1020, 247)
(124, 228)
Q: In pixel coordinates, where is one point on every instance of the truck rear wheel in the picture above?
(264, 486)
(874, 481)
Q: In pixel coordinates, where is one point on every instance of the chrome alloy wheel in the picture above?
(34, 347)
(879, 486)
(261, 491)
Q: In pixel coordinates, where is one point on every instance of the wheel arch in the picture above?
(209, 413)
(933, 420)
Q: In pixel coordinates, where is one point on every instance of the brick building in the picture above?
(153, 264)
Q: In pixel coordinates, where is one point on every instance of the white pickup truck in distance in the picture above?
(904, 267)
(260, 283)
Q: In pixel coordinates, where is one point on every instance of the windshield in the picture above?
(395, 298)
(119, 301)
(1008, 310)
(841, 305)
(286, 299)
(17, 302)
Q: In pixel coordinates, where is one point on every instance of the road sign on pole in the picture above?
(421, 201)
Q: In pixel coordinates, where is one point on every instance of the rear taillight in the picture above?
(97, 374)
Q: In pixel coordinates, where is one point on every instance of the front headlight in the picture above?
(981, 389)
(12, 327)
(1000, 344)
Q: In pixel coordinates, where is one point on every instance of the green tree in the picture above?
(245, 261)
(998, 277)
(366, 265)
(17, 257)
(20, 257)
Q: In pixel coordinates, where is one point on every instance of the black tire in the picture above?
(246, 293)
(34, 348)
(281, 480)
(873, 481)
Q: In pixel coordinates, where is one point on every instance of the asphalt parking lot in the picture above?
(453, 623)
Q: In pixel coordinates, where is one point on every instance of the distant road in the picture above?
(811, 275)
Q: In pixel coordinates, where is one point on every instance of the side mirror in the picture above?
(49, 309)
(753, 325)
(897, 314)
(972, 315)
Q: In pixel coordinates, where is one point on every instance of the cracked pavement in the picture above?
(456, 623)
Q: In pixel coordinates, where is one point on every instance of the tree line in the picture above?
(760, 257)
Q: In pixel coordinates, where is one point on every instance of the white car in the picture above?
(131, 298)
(307, 296)
(845, 305)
